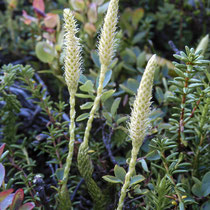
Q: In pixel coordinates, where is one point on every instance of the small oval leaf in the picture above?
(196, 189)
(87, 87)
(119, 172)
(206, 184)
(51, 20)
(136, 179)
(107, 95)
(108, 76)
(44, 52)
(80, 95)
(82, 117)
(112, 179)
(87, 105)
(144, 165)
(115, 106)
(95, 58)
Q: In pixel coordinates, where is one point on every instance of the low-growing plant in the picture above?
(7, 197)
(163, 144)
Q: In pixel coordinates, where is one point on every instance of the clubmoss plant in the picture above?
(106, 53)
(72, 73)
(139, 121)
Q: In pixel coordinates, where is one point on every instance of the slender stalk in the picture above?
(71, 143)
(107, 143)
(128, 176)
(139, 121)
(106, 52)
(96, 103)
(72, 74)
(84, 163)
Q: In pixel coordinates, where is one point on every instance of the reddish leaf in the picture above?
(27, 18)
(5, 193)
(2, 149)
(6, 202)
(51, 20)
(17, 200)
(27, 206)
(39, 4)
(2, 174)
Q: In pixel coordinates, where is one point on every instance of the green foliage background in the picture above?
(34, 104)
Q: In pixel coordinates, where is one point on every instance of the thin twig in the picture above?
(181, 121)
(194, 109)
(134, 199)
(107, 143)
(168, 173)
(31, 189)
(75, 190)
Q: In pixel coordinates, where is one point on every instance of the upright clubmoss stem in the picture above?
(139, 121)
(71, 143)
(84, 163)
(72, 73)
(96, 102)
(106, 52)
(128, 176)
